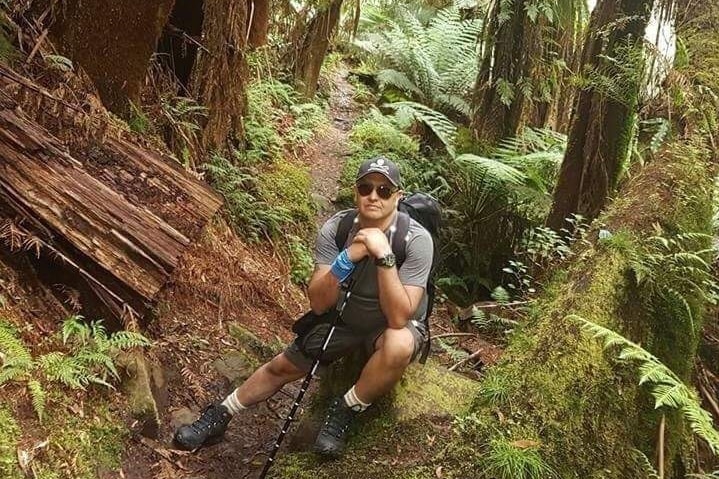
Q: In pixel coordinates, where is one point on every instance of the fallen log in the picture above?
(119, 215)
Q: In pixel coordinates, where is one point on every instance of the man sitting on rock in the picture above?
(383, 314)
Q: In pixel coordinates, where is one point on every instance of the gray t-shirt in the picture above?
(363, 310)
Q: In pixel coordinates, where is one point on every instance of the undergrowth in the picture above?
(86, 357)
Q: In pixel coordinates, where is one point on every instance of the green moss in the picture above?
(9, 437)
(286, 185)
(82, 447)
(402, 436)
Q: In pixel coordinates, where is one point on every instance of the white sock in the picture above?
(354, 402)
(233, 404)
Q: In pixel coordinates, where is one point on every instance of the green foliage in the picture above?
(251, 216)
(8, 52)
(286, 185)
(496, 388)
(491, 202)
(433, 64)
(301, 261)
(514, 460)
(667, 389)
(88, 361)
(59, 62)
(9, 437)
(138, 120)
(674, 270)
(425, 70)
(277, 119)
(618, 76)
(643, 462)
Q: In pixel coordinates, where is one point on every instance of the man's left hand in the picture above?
(375, 241)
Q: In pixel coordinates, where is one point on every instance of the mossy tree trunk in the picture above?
(313, 47)
(513, 43)
(258, 22)
(602, 124)
(221, 73)
(113, 42)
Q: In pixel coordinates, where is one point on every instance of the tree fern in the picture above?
(665, 386)
(433, 63)
(440, 125)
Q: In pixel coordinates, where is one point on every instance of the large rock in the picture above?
(397, 437)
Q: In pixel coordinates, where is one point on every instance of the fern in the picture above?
(15, 358)
(433, 63)
(665, 386)
(440, 125)
(39, 397)
(643, 462)
(672, 270)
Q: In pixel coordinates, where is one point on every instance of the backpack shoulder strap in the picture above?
(343, 229)
(399, 240)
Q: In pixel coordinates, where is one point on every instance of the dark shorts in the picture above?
(304, 349)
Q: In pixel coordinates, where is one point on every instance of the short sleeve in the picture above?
(325, 247)
(418, 261)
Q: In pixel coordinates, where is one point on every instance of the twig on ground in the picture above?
(163, 453)
(472, 356)
(451, 335)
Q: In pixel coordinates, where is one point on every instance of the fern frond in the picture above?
(14, 355)
(127, 340)
(39, 398)
(665, 386)
(436, 121)
(481, 168)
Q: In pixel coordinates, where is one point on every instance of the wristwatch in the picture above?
(387, 261)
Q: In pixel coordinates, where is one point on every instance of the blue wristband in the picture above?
(342, 267)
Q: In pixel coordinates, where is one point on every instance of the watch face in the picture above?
(388, 261)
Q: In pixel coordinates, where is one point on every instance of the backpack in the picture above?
(425, 210)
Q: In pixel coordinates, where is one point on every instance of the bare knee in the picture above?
(282, 368)
(397, 347)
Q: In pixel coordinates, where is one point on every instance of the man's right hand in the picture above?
(357, 251)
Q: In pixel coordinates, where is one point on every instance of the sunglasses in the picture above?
(383, 191)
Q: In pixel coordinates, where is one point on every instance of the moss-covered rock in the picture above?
(403, 436)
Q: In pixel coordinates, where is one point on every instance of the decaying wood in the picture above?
(104, 213)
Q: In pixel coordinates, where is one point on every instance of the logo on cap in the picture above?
(379, 165)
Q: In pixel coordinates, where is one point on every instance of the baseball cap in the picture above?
(381, 165)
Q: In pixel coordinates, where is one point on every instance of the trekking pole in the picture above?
(306, 383)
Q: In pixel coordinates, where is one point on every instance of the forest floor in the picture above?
(192, 336)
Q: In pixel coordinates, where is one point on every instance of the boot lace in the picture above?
(338, 419)
(210, 418)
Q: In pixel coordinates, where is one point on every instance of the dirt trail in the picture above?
(193, 382)
(331, 147)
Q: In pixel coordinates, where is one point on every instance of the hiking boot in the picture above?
(208, 429)
(332, 437)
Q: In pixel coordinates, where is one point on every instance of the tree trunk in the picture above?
(181, 39)
(512, 46)
(316, 40)
(601, 125)
(221, 74)
(107, 212)
(258, 14)
(113, 42)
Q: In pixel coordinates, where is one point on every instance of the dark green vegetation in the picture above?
(598, 223)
